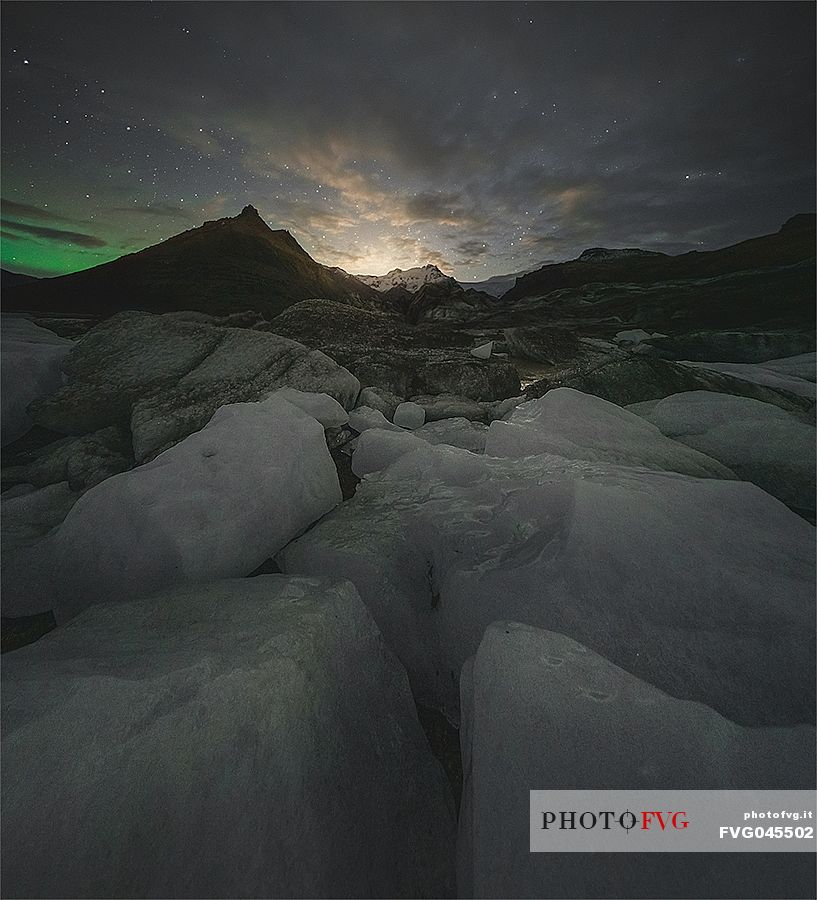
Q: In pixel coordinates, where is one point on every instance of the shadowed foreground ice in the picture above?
(543, 712)
(245, 738)
(257, 737)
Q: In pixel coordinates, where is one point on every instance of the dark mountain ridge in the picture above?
(794, 243)
(10, 279)
(240, 265)
(221, 267)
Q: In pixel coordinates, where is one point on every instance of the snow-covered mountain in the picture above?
(410, 279)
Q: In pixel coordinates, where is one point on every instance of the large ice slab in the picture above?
(744, 345)
(684, 582)
(31, 368)
(244, 738)
(216, 505)
(578, 426)
(794, 374)
(624, 378)
(757, 441)
(541, 711)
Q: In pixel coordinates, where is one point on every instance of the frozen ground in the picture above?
(540, 710)
(244, 738)
(258, 737)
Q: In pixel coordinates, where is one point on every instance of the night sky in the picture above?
(484, 137)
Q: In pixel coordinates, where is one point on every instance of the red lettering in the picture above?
(648, 815)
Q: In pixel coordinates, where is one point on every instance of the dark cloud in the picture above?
(27, 211)
(55, 234)
(473, 248)
(441, 208)
(470, 253)
(377, 132)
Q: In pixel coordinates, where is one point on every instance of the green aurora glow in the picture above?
(48, 258)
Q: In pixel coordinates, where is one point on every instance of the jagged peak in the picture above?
(409, 279)
(248, 216)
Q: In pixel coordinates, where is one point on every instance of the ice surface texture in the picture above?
(543, 712)
(364, 418)
(409, 415)
(456, 432)
(322, 407)
(216, 505)
(685, 582)
(378, 448)
(31, 368)
(757, 441)
(244, 738)
(574, 425)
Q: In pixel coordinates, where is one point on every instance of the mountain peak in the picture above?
(232, 264)
(249, 216)
(409, 279)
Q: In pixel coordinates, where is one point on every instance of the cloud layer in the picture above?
(483, 137)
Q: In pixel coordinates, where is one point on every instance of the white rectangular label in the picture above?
(673, 821)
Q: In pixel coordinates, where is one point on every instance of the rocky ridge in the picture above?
(225, 266)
